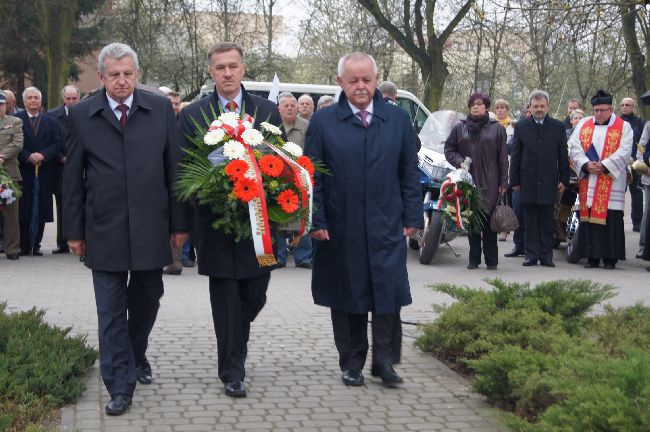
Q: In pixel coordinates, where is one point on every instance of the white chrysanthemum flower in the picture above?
(271, 128)
(214, 137)
(247, 125)
(252, 137)
(233, 150)
(216, 124)
(228, 116)
(293, 149)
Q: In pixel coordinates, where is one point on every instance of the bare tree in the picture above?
(415, 31)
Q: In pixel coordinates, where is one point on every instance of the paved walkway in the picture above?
(293, 377)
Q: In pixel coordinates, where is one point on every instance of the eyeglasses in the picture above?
(477, 103)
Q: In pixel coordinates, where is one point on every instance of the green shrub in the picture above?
(535, 352)
(40, 368)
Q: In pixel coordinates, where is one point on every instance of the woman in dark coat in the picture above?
(483, 140)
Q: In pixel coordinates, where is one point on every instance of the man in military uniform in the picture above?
(11, 143)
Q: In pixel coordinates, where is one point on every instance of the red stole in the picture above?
(598, 212)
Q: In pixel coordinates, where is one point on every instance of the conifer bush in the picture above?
(41, 368)
(534, 351)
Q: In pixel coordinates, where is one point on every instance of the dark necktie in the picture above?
(363, 116)
(123, 109)
(232, 106)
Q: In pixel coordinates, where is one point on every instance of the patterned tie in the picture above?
(232, 106)
(123, 109)
(363, 116)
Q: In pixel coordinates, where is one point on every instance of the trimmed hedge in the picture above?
(535, 352)
(41, 368)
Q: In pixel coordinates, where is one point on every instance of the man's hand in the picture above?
(320, 234)
(516, 188)
(78, 247)
(502, 189)
(178, 239)
(560, 187)
(36, 158)
(595, 168)
(409, 231)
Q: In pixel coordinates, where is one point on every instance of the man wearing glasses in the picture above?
(628, 105)
(600, 147)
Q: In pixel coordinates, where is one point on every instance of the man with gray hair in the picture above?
(11, 108)
(388, 90)
(295, 128)
(70, 95)
(539, 171)
(305, 106)
(43, 147)
(360, 251)
(120, 212)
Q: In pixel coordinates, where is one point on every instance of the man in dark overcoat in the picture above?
(70, 96)
(43, 146)
(363, 210)
(539, 171)
(237, 282)
(119, 211)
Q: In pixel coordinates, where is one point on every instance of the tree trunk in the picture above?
(57, 21)
(640, 63)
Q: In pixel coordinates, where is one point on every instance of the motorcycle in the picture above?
(433, 169)
(572, 227)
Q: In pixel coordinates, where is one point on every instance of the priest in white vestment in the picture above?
(601, 148)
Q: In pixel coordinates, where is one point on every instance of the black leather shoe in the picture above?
(61, 251)
(472, 266)
(590, 265)
(37, 252)
(305, 265)
(143, 372)
(639, 254)
(610, 266)
(547, 263)
(491, 267)
(235, 389)
(24, 252)
(13, 256)
(352, 378)
(529, 262)
(389, 377)
(514, 253)
(118, 405)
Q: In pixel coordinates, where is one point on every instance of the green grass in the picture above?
(536, 353)
(41, 368)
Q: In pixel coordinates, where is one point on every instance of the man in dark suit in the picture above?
(237, 283)
(43, 147)
(360, 253)
(70, 96)
(119, 211)
(539, 170)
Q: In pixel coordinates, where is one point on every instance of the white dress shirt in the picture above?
(113, 104)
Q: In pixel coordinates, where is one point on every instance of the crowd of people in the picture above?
(533, 159)
(111, 157)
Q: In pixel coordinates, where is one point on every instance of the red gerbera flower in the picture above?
(245, 189)
(271, 165)
(236, 169)
(288, 200)
(306, 163)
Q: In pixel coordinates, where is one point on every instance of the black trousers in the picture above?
(235, 304)
(25, 238)
(126, 314)
(636, 193)
(61, 243)
(538, 233)
(351, 339)
(489, 240)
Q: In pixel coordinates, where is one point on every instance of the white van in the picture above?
(407, 100)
